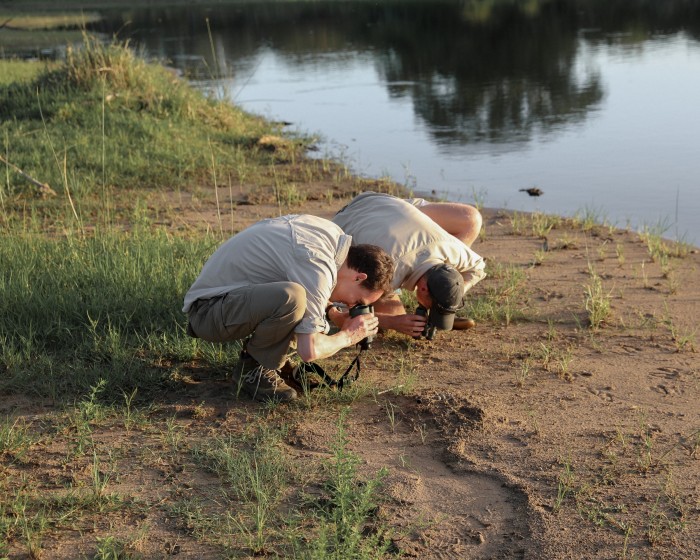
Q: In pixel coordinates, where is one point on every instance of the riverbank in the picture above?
(565, 425)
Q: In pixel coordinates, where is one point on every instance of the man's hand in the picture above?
(316, 346)
(412, 325)
(360, 327)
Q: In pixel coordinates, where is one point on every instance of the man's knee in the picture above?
(292, 301)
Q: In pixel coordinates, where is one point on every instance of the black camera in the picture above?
(428, 329)
(366, 342)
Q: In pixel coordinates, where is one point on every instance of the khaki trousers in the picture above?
(268, 312)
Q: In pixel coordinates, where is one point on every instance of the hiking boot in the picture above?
(260, 383)
(297, 377)
(463, 323)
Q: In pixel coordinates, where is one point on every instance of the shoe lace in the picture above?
(254, 376)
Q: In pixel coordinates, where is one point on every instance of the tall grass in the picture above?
(75, 310)
(79, 303)
(346, 526)
(106, 116)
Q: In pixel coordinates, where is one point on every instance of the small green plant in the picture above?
(112, 548)
(129, 413)
(101, 478)
(522, 373)
(602, 250)
(85, 413)
(407, 375)
(518, 223)
(14, 436)
(625, 544)
(544, 353)
(683, 338)
(256, 472)
(542, 224)
(620, 253)
(540, 256)
(564, 360)
(505, 300)
(589, 218)
(596, 302)
(423, 432)
(644, 459)
(391, 414)
(173, 435)
(565, 242)
(342, 532)
(565, 485)
(645, 277)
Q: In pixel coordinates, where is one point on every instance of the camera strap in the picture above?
(346, 379)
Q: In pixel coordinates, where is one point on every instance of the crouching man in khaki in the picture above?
(437, 263)
(272, 282)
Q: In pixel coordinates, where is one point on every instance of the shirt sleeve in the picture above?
(473, 269)
(318, 281)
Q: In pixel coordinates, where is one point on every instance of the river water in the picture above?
(594, 102)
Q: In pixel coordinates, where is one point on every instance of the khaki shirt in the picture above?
(304, 249)
(412, 239)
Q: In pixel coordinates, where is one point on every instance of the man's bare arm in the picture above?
(316, 346)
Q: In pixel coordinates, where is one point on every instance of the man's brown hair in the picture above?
(375, 263)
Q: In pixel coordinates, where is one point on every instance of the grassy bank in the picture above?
(91, 279)
(88, 281)
(106, 119)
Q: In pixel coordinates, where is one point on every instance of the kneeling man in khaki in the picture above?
(272, 283)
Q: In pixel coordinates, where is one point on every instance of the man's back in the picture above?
(414, 241)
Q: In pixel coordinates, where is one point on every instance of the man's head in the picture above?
(441, 290)
(364, 277)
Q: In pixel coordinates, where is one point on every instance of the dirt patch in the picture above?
(532, 435)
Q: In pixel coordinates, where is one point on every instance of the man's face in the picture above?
(423, 294)
(352, 293)
(424, 298)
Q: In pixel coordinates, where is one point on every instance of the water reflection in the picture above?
(476, 70)
(493, 94)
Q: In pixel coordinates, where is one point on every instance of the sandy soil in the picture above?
(529, 436)
(543, 437)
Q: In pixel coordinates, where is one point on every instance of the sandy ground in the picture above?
(529, 436)
(534, 435)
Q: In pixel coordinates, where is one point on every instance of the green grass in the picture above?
(32, 22)
(105, 119)
(596, 302)
(75, 310)
(20, 71)
(90, 288)
(264, 513)
(346, 525)
(504, 300)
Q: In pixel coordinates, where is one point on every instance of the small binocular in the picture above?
(429, 329)
(366, 342)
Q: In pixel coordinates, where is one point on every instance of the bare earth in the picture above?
(529, 436)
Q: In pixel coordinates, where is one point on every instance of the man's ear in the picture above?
(360, 277)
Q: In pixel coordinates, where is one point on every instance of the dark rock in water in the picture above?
(532, 191)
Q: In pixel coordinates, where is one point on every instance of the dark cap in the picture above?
(446, 287)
